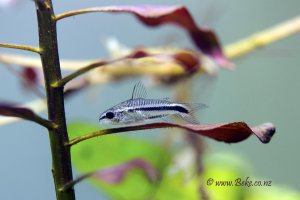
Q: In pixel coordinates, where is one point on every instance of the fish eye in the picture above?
(110, 115)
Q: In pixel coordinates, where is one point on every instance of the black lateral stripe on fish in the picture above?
(139, 109)
(163, 108)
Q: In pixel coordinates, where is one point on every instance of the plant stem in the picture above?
(263, 38)
(21, 47)
(61, 158)
(81, 71)
(75, 12)
(119, 130)
(43, 122)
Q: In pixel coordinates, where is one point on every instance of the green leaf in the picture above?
(229, 167)
(114, 149)
(176, 186)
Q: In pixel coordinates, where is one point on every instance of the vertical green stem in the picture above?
(61, 159)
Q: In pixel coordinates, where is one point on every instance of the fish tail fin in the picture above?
(192, 108)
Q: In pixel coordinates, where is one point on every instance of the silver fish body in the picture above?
(139, 109)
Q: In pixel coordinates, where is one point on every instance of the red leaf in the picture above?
(117, 173)
(11, 110)
(234, 132)
(226, 132)
(30, 75)
(204, 39)
(14, 111)
(31, 79)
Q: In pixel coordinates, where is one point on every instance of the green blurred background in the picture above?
(264, 87)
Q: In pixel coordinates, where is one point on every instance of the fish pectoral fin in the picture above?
(167, 119)
(135, 117)
(139, 91)
(130, 115)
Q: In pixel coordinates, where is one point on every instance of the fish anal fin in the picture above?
(190, 118)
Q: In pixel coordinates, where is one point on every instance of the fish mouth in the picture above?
(104, 120)
(101, 118)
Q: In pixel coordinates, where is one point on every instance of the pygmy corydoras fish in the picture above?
(140, 109)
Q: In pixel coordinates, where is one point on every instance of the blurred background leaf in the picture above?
(182, 183)
(105, 152)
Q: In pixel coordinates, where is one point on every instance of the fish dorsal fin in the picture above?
(139, 91)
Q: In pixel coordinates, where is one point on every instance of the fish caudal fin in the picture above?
(192, 108)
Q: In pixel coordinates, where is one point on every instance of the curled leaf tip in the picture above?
(223, 62)
(264, 132)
